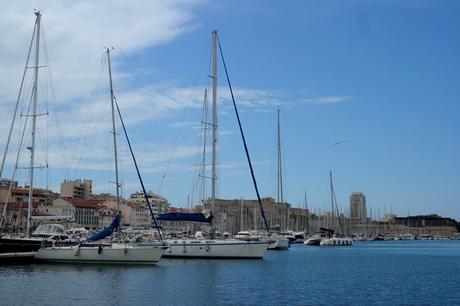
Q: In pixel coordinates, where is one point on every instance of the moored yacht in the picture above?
(118, 251)
(115, 253)
(44, 235)
(215, 248)
(314, 239)
(337, 241)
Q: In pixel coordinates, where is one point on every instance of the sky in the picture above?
(381, 77)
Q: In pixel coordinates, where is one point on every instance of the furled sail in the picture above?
(106, 231)
(204, 217)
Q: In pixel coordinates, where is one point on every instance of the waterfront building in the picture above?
(21, 194)
(5, 183)
(84, 212)
(358, 207)
(16, 215)
(77, 189)
(159, 203)
(240, 214)
(106, 215)
(427, 225)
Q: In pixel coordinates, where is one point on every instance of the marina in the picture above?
(393, 272)
(145, 176)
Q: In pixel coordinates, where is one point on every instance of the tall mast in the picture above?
(306, 213)
(115, 155)
(34, 121)
(280, 168)
(332, 200)
(214, 118)
(204, 122)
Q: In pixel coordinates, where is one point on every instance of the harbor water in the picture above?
(369, 273)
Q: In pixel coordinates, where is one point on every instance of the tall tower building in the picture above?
(358, 206)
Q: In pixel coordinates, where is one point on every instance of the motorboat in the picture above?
(278, 242)
(45, 235)
(314, 239)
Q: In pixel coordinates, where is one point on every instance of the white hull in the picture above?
(337, 241)
(278, 243)
(115, 253)
(216, 249)
(313, 241)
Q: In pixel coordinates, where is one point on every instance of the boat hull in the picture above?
(218, 249)
(113, 254)
(313, 241)
(337, 241)
(279, 244)
(19, 245)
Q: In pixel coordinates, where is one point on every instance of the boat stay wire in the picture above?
(139, 174)
(244, 139)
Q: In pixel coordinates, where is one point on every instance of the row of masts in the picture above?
(34, 99)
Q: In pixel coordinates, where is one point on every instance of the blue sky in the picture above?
(381, 75)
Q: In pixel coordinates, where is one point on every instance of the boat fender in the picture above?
(126, 250)
(99, 250)
(185, 249)
(207, 247)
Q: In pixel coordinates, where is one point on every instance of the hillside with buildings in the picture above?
(94, 211)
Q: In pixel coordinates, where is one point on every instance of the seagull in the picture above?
(337, 143)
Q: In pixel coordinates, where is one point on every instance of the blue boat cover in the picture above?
(187, 217)
(106, 231)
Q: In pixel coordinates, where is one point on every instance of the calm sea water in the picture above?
(369, 273)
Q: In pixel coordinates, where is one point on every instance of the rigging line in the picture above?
(18, 154)
(139, 175)
(244, 140)
(86, 141)
(56, 117)
(199, 174)
(17, 102)
(338, 213)
(179, 130)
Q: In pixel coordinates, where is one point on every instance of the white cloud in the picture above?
(76, 33)
(326, 100)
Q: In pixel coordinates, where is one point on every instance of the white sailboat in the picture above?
(25, 245)
(105, 252)
(214, 248)
(278, 241)
(335, 240)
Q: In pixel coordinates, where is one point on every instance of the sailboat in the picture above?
(278, 241)
(199, 247)
(24, 246)
(334, 239)
(116, 252)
